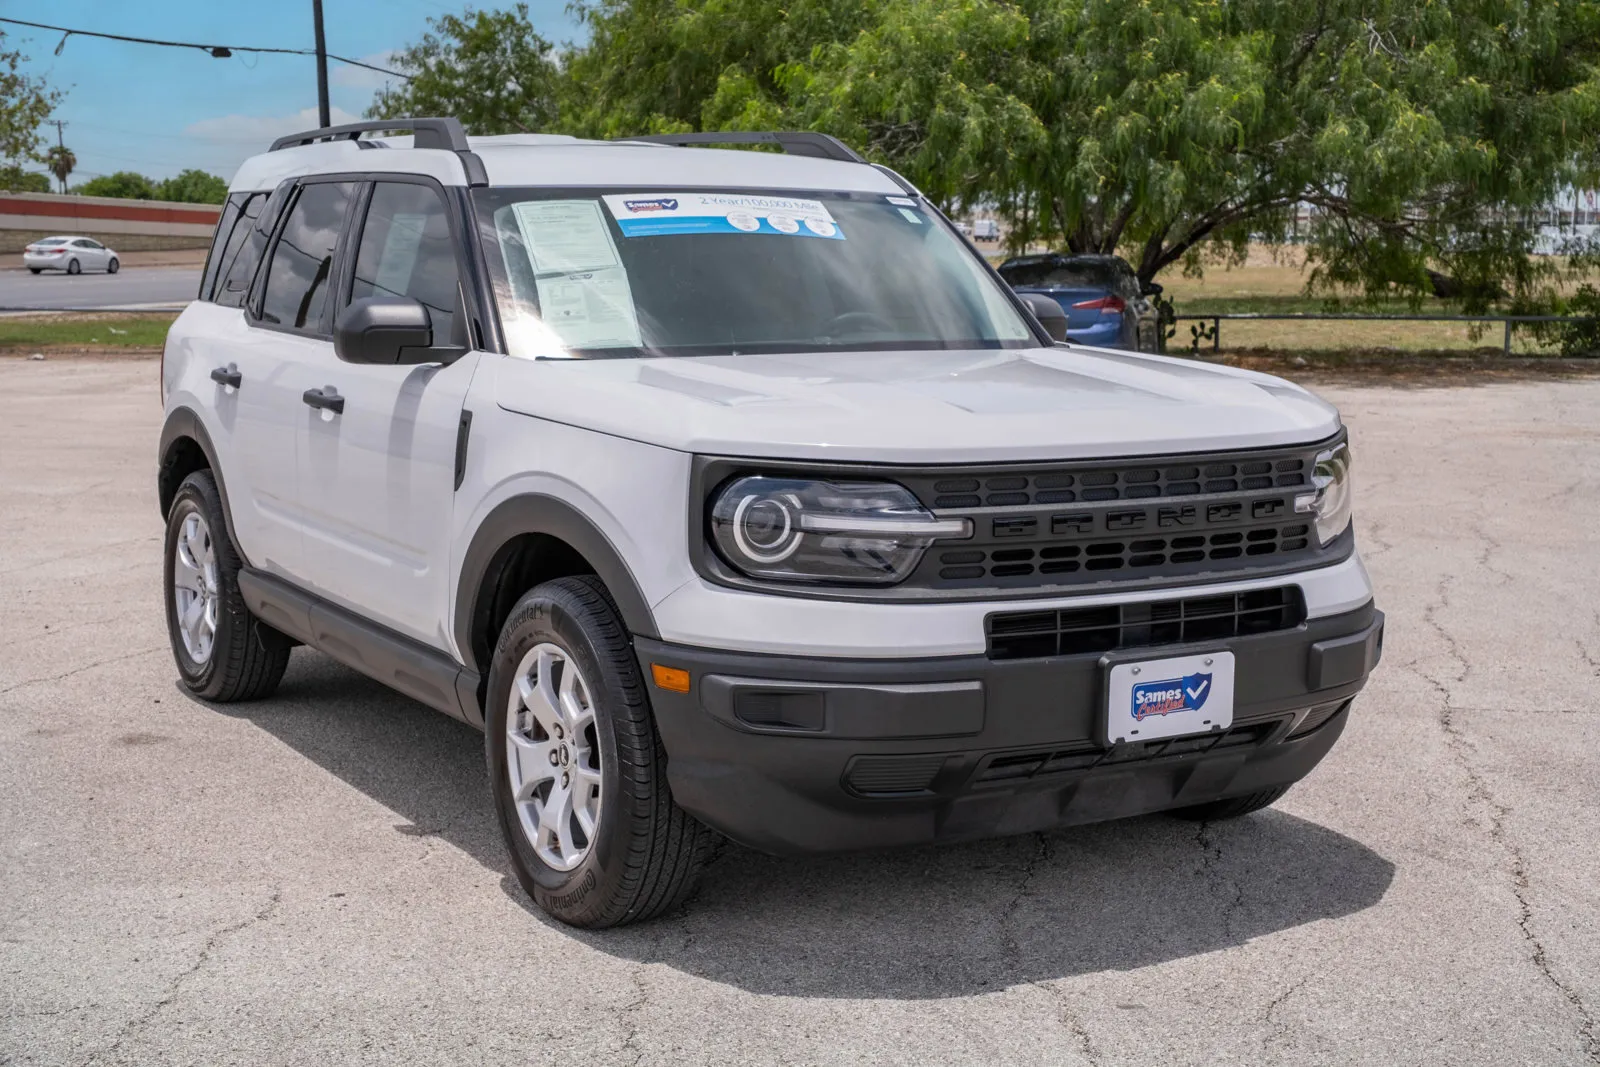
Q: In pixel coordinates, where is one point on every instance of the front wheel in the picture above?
(113, 266)
(73, 267)
(224, 653)
(578, 771)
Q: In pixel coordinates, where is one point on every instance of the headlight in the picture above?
(799, 530)
(1331, 503)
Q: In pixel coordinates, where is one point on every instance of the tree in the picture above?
(193, 187)
(13, 179)
(124, 184)
(666, 66)
(24, 104)
(60, 160)
(487, 68)
(1420, 133)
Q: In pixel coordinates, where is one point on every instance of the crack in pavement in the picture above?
(1210, 866)
(175, 987)
(1040, 856)
(80, 670)
(625, 1015)
(1273, 1005)
(1460, 749)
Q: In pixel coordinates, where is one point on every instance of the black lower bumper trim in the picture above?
(873, 753)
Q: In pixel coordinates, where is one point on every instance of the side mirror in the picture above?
(384, 329)
(1049, 314)
(1150, 289)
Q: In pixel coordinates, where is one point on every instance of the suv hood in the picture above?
(921, 407)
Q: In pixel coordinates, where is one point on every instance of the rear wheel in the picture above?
(113, 266)
(223, 652)
(579, 773)
(1232, 807)
(35, 270)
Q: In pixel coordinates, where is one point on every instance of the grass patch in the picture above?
(84, 332)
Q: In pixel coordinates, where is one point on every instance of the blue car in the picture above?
(1105, 303)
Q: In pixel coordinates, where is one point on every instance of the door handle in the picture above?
(327, 398)
(228, 376)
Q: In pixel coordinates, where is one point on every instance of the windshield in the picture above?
(586, 274)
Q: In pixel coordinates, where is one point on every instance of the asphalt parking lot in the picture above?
(318, 878)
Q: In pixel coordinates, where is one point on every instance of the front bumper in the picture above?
(797, 755)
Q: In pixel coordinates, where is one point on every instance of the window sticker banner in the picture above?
(660, 214)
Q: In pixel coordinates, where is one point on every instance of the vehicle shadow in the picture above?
(917, 923)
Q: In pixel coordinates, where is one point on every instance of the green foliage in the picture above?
(1420, 132)
(487, 68)
(24, 105)
(193, 187)
(126, 331)
(13, 179)
(124, 184)
(1580, 338)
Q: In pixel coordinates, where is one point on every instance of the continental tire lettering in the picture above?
(575, 895)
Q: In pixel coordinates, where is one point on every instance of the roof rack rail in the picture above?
(429, 133)
(794, 142)
(445, 133)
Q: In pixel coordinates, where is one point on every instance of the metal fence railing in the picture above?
(1509, 321)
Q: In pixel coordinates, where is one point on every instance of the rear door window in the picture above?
(300, 273)
(246, 244)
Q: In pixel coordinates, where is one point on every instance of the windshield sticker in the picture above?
(658, 215)
(911, 216)
(566, 235)
(583, 290)
(590, 309)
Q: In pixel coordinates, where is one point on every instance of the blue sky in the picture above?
(161, 110)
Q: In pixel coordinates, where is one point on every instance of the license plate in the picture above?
(1155, 698)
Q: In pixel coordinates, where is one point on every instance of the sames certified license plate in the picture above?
(1156, 698)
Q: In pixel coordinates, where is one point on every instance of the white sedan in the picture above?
(71, 254)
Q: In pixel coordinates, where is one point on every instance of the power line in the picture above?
(218, 51)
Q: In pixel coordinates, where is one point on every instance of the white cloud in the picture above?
(359, 77)
(262, 130)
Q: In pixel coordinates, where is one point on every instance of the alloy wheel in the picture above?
(194, 585)
(553, 756)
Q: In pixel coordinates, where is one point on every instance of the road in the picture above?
(131, 286)
(318, 878)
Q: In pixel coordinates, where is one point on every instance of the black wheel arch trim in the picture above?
(535, 513)
(182, 422)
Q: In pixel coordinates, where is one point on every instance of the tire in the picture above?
(645, 853)
(113, 266)
(244, 658)
(35, 270)
(73, 267)
(1232, 807)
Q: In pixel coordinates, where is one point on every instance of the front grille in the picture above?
(1132, 555)
(1085, 523)
(1108, 627)
(1020, 766)
(1134, 482)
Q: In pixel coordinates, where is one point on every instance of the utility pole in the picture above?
(60, 143)
(323, 117)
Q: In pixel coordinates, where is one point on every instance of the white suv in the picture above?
(732, 492)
